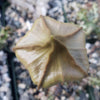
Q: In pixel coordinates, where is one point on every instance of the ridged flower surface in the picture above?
(53, 52)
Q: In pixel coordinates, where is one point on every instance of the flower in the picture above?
(53, 52)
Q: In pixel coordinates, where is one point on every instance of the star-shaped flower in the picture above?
(53, 52)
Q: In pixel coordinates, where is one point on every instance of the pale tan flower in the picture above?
(53, 52)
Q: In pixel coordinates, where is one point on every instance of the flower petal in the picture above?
(39, 35)
(72, 37)
(59, 29)
(61, 67)
(35, 60)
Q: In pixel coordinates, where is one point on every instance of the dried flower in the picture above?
(53, 52)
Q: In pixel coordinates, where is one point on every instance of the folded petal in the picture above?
(60, 29)
(39, 35)
(61, 67)
(35, 60)
(72, 37)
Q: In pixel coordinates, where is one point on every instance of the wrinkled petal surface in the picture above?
(53, 52)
